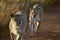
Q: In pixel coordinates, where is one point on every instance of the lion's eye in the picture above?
(38, 7)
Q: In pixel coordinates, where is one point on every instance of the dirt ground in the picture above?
(49, 29)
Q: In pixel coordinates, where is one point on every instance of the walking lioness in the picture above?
(17, 25)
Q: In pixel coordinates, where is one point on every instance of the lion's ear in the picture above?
(12, 15)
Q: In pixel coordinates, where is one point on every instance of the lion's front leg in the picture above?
(17, 37)
(36, 26)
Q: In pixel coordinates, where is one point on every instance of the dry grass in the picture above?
(6, 8)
